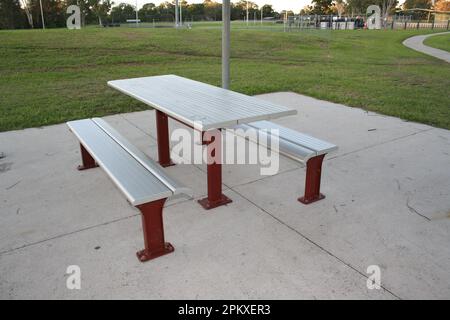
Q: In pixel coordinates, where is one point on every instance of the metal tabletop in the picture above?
(197, 104)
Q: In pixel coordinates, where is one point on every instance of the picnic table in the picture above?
(202, 107)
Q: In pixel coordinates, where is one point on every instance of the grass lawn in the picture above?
(440, 42)
(56, 75)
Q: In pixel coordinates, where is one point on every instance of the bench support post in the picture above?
(86, 158)
(214, 172)
(153, 228)
(162, 132)
(312, 184)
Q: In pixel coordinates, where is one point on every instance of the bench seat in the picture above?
(297, 146)
(143, 181)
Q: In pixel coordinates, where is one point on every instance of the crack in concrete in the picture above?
(413, 210)
(13, 185)
(316, 244)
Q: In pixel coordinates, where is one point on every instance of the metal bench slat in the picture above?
(301, 139)
(285, 147)
(175, 186)
(132, 178)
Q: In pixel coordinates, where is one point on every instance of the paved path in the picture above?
(416, 43)
(387, 203)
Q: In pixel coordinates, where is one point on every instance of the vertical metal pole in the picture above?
(181, 14)
(247, 13)
(262, 13)
(42, 15)
(215, 196)
(137, 16)
(226, 26)
(162, 136)
(176, 14)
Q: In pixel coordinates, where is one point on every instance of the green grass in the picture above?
(440, 42)
(57, 75)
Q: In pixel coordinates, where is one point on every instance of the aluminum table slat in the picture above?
(199, 105)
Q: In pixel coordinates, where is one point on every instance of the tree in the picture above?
(340, 6)
(322, 6)
(122, 12)
(268, 10)
(11, 15)
(359, 7)
(100, 8)
(442, 5)
(212, 10)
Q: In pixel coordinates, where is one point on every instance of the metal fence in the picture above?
(292, 23)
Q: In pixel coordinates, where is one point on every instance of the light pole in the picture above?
(137, 16)
(42, 15)
(181, 13)
(247, 13)
(226, 24)
(262, 15)
(176, 14)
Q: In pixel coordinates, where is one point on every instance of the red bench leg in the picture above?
(86, 158)
(153, 228)
(215, 196)
(162, 133)
(312, 184)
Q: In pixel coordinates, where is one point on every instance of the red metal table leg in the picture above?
(214, 171)
(86, 158)
(312, 184)
(162, 132)
(153, 228)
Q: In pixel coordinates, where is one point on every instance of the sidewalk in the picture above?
(387, 204)
(416, 43)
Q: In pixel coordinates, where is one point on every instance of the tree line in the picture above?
(21, 14)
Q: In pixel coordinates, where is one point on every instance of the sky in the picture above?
(278, 5)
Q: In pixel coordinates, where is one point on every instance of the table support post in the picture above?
(312, 184)
(214, 171)
(162, 132)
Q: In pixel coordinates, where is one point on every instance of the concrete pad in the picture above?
(350, 128)
(216, 255)
(387, 204)
(40, 188)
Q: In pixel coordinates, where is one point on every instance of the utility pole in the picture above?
(176, 14)
(247, 13)
(226, 24)
(181, 13)
(42, 15)
(137, 16)
(262, 15)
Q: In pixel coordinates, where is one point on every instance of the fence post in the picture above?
(448, 23)
(432, 24)
(418, 23)
(405, 25)
(392, 25)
